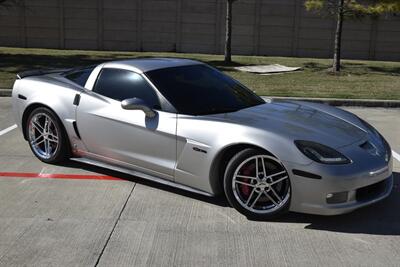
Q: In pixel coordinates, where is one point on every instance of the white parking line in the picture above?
(8, 129)
(396, 155)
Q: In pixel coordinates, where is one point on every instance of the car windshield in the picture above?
(200, 90)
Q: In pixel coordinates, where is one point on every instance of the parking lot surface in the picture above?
(77, 215)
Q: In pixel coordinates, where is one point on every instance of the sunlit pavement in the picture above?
(79, 215)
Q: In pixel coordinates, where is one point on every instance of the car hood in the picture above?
(298, 121)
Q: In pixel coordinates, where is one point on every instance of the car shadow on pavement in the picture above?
(382, 218)
(218, 200)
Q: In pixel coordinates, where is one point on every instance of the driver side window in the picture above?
(123, 84)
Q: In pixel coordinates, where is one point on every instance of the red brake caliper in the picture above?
(246, 170)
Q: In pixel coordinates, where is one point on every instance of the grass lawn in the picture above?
(359, 79)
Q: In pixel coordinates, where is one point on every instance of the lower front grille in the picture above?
(371, 191)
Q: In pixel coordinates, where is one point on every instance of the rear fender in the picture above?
(60, 99)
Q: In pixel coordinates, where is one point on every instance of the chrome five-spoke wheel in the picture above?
(259, 185)
(45, 136)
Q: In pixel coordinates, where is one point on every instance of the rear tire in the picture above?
(257, 185)
(46, 136)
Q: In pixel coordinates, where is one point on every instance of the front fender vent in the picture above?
(76, 129)
(306, 174)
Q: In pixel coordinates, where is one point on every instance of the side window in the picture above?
(80, 76)
(122, 84)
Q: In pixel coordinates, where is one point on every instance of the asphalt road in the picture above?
(92, 220)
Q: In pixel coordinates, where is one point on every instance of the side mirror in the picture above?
(138, 104)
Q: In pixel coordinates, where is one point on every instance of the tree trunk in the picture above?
(338, 37)
(228, 32)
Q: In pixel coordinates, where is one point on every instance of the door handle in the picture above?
(77, 99)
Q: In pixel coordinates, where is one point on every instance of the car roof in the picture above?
(148, 64)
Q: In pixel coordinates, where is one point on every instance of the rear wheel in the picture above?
(257, 185)
(46, 136)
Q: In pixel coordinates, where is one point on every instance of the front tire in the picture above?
(46, 136)
(257, 185)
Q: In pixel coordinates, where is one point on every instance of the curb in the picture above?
(5, 92)
(329, 101)
(343, 102)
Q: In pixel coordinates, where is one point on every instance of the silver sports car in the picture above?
(185, 124)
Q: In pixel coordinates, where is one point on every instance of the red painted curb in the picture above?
(57, 176)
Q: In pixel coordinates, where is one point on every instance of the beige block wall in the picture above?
(261, 27)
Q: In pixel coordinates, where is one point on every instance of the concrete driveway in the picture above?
(77, 215)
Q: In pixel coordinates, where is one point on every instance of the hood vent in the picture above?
(370, 148)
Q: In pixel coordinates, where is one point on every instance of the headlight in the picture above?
(320, 153)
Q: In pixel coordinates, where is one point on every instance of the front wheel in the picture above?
(257, 185)
(46, 136)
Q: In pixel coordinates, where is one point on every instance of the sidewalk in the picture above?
(345, 102)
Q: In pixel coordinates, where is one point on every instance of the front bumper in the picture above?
(361, 187)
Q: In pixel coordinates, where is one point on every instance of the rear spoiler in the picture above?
(39, 72)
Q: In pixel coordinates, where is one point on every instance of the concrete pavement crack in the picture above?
(114, 227)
